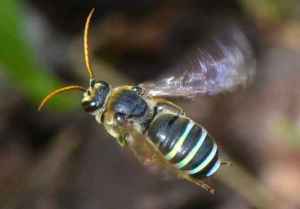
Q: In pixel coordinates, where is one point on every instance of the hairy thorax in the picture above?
(126, 110)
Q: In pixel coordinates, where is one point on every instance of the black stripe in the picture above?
(188, 144)
(202, 173)
(166, 130)
(202, 153)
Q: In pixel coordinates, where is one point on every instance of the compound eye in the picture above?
(120, 117)
(89, 106)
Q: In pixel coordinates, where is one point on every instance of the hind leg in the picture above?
(196, 182)
(226, 163)
(201, 184)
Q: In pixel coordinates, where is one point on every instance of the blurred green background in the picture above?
(61, 158)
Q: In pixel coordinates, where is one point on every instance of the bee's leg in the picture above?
(200, 183)
(122, 140)
(163, 104)
(226, 163)
(205, 186)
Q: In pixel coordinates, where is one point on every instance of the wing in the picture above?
(225, 63)
(148, 155)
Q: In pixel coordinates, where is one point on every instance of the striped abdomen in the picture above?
(185, 144)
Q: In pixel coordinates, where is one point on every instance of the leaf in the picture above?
(18, 61)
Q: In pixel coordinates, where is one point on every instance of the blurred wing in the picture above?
(149, 156)
(224, 64)
(144, 151)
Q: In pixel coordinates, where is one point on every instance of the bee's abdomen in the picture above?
(185, 144)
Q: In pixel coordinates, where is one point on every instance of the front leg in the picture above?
(119, 136)
(122, 140)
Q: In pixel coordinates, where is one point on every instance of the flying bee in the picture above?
(156, 130)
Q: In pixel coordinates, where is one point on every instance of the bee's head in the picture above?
(94, 97)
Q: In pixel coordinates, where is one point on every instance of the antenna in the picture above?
(58, 91)
(87, 63)
(86, 45)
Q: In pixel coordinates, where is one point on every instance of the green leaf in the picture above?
(19, 63)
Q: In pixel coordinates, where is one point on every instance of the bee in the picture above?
(157, 130)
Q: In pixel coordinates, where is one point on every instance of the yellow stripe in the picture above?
(206, 161)
(193, 152)
(180, 141)
(214, 168)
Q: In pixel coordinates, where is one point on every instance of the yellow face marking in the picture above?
(180, 141)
